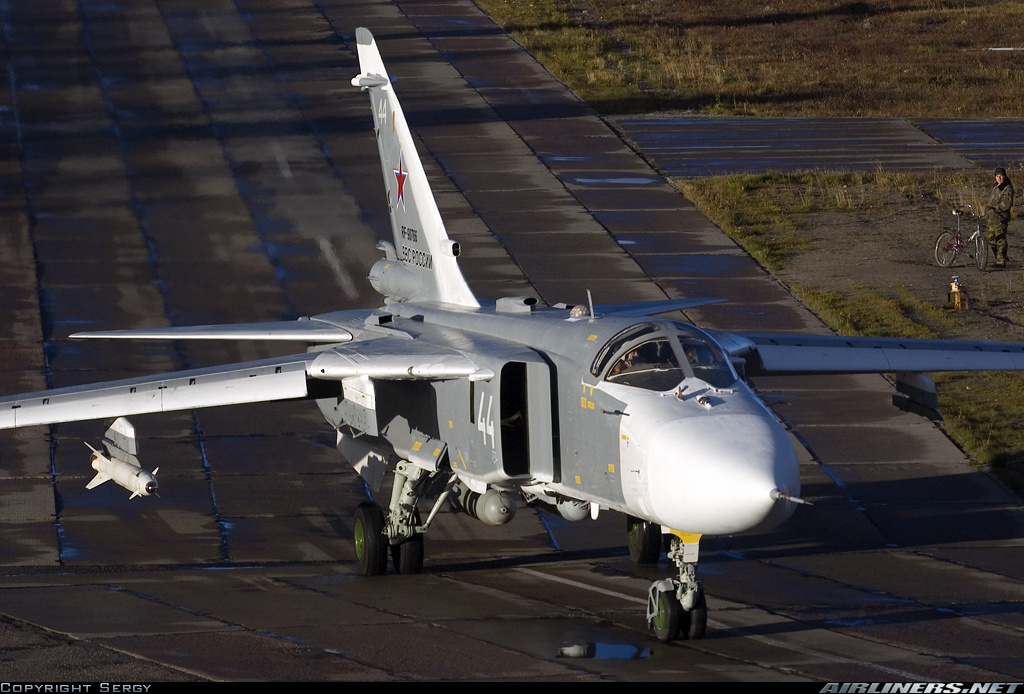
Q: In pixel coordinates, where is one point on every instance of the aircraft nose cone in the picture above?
(716, 475)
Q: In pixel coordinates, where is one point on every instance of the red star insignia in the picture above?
(400, 175)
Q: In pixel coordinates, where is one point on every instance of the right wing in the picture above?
(784, 353)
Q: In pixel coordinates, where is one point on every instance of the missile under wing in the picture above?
(121, 463)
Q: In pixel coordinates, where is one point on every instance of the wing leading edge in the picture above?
(310, 330)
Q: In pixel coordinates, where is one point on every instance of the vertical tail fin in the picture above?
(421, 265)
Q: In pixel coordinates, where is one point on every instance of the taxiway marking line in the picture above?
(719, 625)
(585, 586)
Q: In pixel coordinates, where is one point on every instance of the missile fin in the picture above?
(120, 442)
(99, 479)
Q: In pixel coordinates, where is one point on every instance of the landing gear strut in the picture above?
(676, 607)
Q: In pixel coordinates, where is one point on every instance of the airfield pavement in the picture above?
(196, 161)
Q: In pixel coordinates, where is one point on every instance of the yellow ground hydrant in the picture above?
(957, 296)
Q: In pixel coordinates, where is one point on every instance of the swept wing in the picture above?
(302, 330)
(282, 378)
(783, 353)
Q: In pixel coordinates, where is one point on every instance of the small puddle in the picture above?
(604, 651)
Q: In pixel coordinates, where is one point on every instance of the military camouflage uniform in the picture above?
(999, 204)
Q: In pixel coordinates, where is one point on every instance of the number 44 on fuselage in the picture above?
(582, 408)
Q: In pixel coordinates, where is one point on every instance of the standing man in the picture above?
(998, 209)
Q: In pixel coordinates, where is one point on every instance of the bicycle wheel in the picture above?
(981, 252)
(945, 249)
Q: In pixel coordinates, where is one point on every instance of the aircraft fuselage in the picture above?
(567, 415)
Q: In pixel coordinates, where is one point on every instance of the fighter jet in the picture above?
(581, 408)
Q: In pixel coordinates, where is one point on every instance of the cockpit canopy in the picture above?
(659, 356)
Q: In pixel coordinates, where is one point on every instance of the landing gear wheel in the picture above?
(408, 556)
(695, 622)
(981, 254)
(370, 544)
(945, 251)
(644, 540)
(670, 613)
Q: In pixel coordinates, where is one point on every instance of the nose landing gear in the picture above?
(676, 607)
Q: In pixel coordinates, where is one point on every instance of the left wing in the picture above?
(303, 330)
(781, 353)
(280, 378)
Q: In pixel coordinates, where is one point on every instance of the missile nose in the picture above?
(722, 475)
(151, 487)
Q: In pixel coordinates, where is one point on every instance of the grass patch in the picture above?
(759, 211)
(862, 311)
(766, 212)
(794, 58)
(983, 413)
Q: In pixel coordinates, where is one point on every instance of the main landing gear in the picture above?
(676, 607)
(400, 533)
(644, 540)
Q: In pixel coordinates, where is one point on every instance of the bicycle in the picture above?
(951, 242)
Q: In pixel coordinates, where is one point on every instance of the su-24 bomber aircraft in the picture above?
(580, 408)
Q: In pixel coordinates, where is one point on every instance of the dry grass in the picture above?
(766, 212)
(862, 311)
(780, 57)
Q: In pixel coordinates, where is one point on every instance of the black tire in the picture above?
(644, 540)
(945, 251)
(407, 556)
(695, 622)
(981, 252)
(368, 536)
(670, 613)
